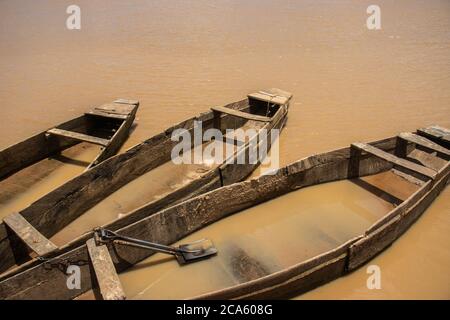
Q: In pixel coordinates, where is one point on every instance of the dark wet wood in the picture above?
(106, 278)
(119, 136)
(29, 235)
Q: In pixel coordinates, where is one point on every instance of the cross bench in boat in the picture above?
(416, 159)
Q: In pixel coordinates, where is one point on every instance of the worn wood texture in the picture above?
(28, 152)
(174, 223)
(78, 136)
(224, 175)
(41, 146)
(119, 137)
(239, 114)
(395, 160)
(437, 134)
(273, 95)
(117, 108)
(106, 115)
(29, 235)
(382, 235)
(127, 101)
(427, 144)
(109, 285)
(83, 192)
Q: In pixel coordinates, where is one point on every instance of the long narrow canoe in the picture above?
(106, 125)
(410, 157)
(25, 236)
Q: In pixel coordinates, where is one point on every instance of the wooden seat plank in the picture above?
(241, 114)
(29, 235)
(395, 160)
(108, 281)
(424, 142)
(127, 101)
(272, 95)
(78, 136)
(436, 132)
(116, 108)
(106, 115)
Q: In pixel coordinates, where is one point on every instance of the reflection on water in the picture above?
(181, 57)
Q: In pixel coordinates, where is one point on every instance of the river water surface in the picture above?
(181, 57)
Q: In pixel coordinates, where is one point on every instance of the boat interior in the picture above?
(294, 224)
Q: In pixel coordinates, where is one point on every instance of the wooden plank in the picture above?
(424, 142)
(127, 101)
(33, 149)
(273, 95)
(408, 177)
(106, 115)
(116, 108)
(29, 235)
(78, 136)
(170, 225)
(241, 114)
(437, 134)
(437, 131)
(395, 160)
(107, 279)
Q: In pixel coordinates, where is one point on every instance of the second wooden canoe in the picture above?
(106, 125)
(409, 157)
(262, 111)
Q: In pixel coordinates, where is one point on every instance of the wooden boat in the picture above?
(107, 125)
(437, 134)
(411, 157)
(25, 235)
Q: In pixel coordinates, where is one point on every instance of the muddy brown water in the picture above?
(181, 57)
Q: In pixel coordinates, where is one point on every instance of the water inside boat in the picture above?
(149, 187)
(30, 184)
(270, 237)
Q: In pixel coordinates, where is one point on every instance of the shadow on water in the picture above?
(66, 160)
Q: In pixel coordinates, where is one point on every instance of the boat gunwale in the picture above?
(212, 176)
(282, 180)
(67, 144)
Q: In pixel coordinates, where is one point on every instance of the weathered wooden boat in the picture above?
(411, 157)
(437, 134)
(24, 236)
(107, 125)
